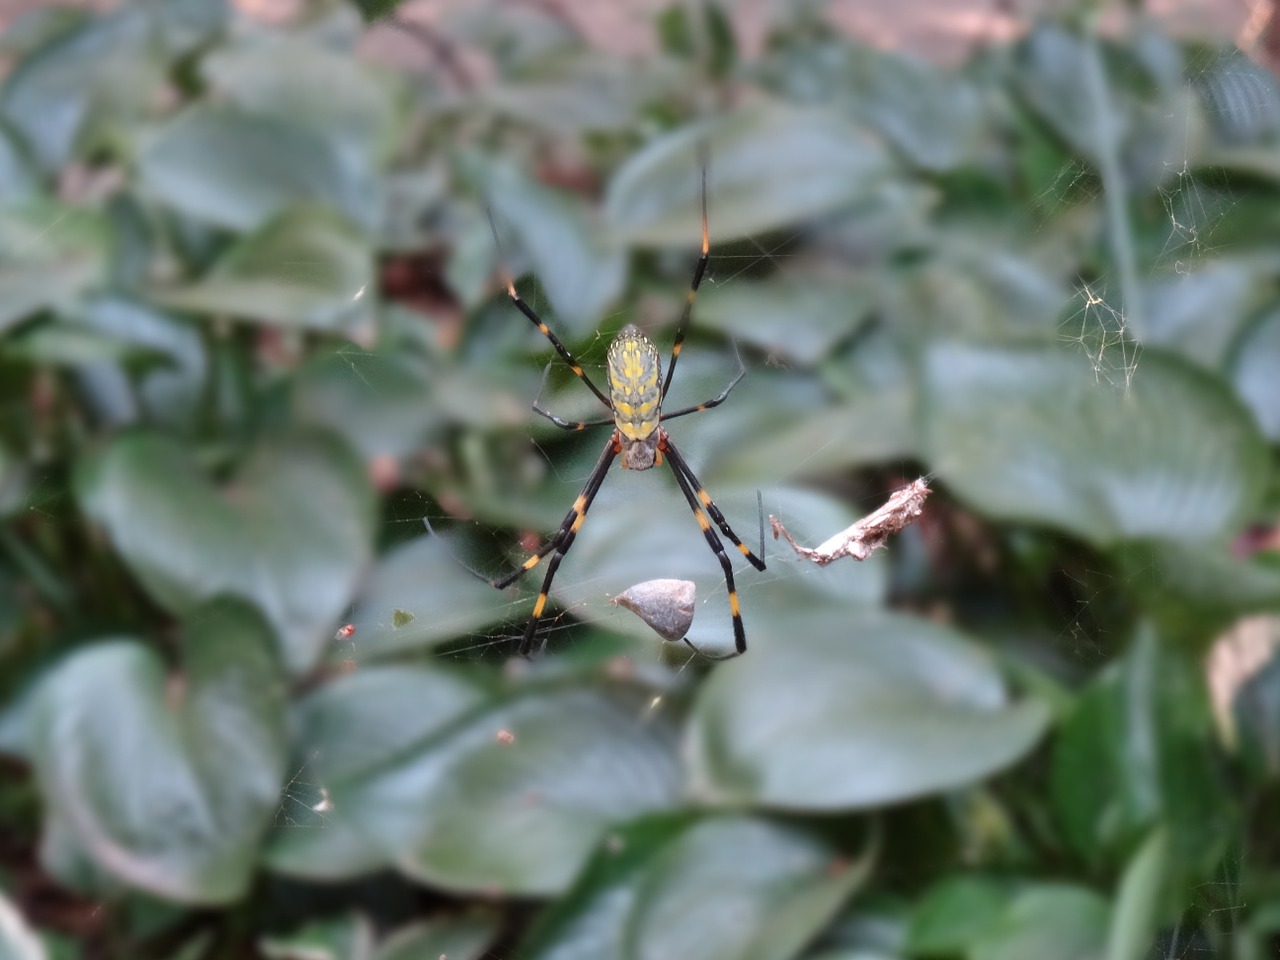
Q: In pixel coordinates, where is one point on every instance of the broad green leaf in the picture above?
(1198, 587)
(954, 913)
(877, 427)
(1049, 922)
(346, 730)
(931, 115)
(723, 887)
(19, 178)
(456, 936)
(1257, 358)
(1241, 97)
(1136, 919)
(237, 170)
(737, 888)
(1029, 434)
(169, 781)
(290, 529)
(170, 391)
(578, 273)
(512, 798)
(327, 90)
(344, 938)
(590, 91)
(420, 595)
(68, 345)
(378, 400)
(1139, 751)
(35, 27)
(101, 72)
(359, 723)
(50, 255)
(309, 267)
(1200, 312)
(770, 165)
(863, 710)
(590, 919)
(795, 319)
(1050, 66)
(974, 288)
(17, 940)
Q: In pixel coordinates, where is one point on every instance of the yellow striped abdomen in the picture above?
(635, 383)
(635, 388)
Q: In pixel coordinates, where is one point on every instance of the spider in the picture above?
(635, 401)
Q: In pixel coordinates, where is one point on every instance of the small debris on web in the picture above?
(868, 534)
(665, 605)
(505, 737)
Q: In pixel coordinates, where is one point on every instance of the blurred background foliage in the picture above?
(252, 336)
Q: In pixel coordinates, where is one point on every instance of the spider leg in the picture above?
(698, 272)
(681, 467)
(714, 402)
(570, 424)
(560, 544)
(696, 501)
(537, 321)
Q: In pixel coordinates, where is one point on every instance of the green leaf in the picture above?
(377, 400)
(238, 171)
(1135, 921)
(168, 782)
(577, 272)
(590, 919)
(770, 165)
(1140, 750)
(461, 936)
(794, 318)
(17, 940)
(344, 938)
(330, 92)
(1050, 64)
(931, 115)
(1197, 589)
(1048, 922)
(954, 913)
(309, 267)
(581, 93)
(863, 710)
(1257, 358)
(50, 255)
(104, 71)
(473, 810)
(737, 888)
(290, 530)
(876, 427)
(1028, 433)
(1200, 312)
(19, 178)
(723, 888)
(171, 392)
(424, 579)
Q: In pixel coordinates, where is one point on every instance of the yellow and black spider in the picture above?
(635, 399)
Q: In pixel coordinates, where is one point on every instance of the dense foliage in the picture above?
(253, 335)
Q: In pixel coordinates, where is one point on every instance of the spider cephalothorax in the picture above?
(636, 391)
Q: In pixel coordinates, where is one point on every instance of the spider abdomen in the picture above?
(635, 389)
